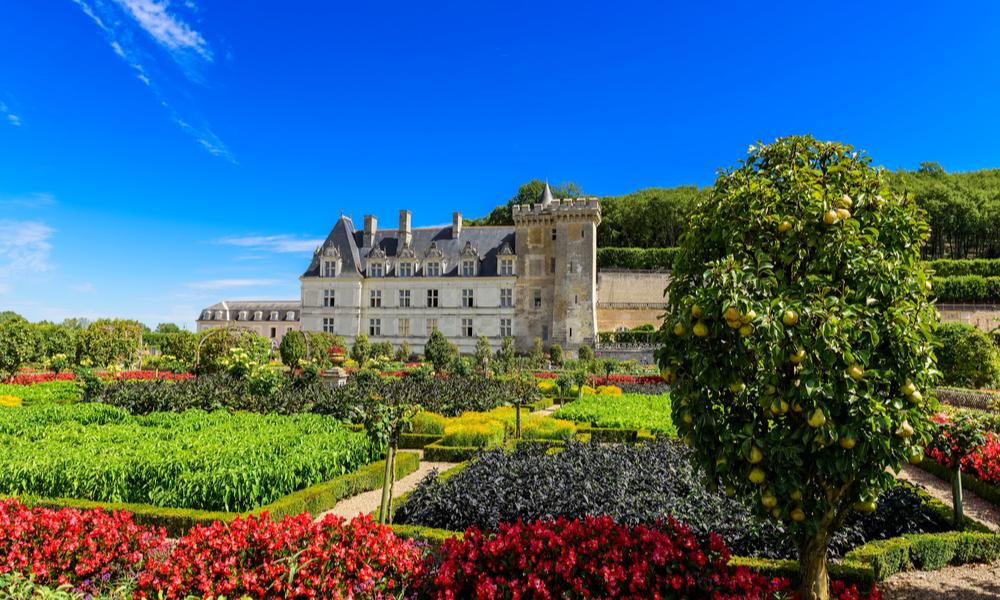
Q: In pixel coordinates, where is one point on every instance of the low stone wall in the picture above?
(641, 353)
(983, 316)
(627, 299)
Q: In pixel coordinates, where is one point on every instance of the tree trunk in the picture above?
(814, 578)
(956, 492)
(393, 450)
(383, 508)
(517, 421)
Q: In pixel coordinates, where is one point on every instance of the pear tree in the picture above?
(799, 338)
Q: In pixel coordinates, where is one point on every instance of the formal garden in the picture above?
(801, 372)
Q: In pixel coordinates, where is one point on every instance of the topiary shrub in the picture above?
(967, 356)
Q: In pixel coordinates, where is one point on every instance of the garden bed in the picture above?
(628, 411)
(644, 483)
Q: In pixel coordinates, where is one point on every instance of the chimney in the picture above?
(456, 225)
(371, 226)
(405, 234)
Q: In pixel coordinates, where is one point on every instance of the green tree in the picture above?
(439, 351)
(167, 328)
(556, 355)
(110, 342)
(292, 348)
(404, 352)
(506, 359)
(585, 353)
(805, 341)
(54, 339)
(967, 357)
(216, 345)
(181, 345)
(389, 406)
(529, 193)
(361, 350)
(483, 354)
(537, 355)
(7, 315)
(17, 345)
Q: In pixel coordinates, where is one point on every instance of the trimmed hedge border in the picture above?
(964, 398)
(865, 565)
(986, 491)
(314, 499)
(541, 404)
(417, 441)
(437, 453)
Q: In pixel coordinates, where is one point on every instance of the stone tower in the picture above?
(556, 290)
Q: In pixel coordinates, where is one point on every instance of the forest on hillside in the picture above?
(963, 210)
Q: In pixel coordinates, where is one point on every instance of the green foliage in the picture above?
(556, 355)
(17, 345)
(383, 351)
(428, 422)
(627, 337)
(292, 348)
(805, 316)
(645, 259)
(967, 357)
(168, 328)
(585, 353)
(52, 339)
(110, 342)
(439, 351)
(404, 352)
(473, 430)
(214, 461)
(529, 193)
(628, 411)
(483, 354)
(967, 289)
(361, 349)
(958, 267)
(216, 344)
(537, 356)
(506, 359)
(50, 392)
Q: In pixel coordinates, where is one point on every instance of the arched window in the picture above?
(258, 315)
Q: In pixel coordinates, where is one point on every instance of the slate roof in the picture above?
(234, 307)
(486, 240)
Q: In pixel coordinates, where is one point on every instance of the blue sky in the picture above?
(157, 156)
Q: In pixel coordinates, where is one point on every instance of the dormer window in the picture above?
(258, 315)
(405, 269)
(468, 268)
(432, 269)
(331, 267)
(207, 316)
(274, 315)
(290, 316)
(218, 315)
(376, 270)
(506, 266)
(243, 315)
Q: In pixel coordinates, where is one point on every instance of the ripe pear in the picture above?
(679, 329)
(700, 329)
(846, 201)
(830, 217)
(732, 314)
(798, 356)
(687, 418)
(757, 476)
(909, 388)
(916, 397)
(916, 456)
(856, 372)
(784, 226)
(755, 455)
(776, 513)
(843, 214)
(695, 311)
(847, 442)
(866, 506)
(748, 317)
(769, 389)
(817, 419)
(797, 407)
(905, 430)
(768, 500)
(737, 386)
(790, 318)
(746, 330)
(795, 495)
(797, 515)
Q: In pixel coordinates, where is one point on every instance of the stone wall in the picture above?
(983, 316)
(627, 299)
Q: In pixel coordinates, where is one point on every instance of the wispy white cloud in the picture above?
(225, 284)
(9, 116)
(167, 29)
(83, 288)
(24, 248)
(33, 200)
(123, 21)
(272, 243)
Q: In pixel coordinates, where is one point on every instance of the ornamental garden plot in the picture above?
(217, 461)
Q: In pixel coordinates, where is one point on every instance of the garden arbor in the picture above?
(799, 337)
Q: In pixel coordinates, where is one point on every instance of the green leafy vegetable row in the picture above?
(628, 411)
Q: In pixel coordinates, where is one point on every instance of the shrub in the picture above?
(967, 356)
(110, 342)
(629, 411)
(632, 485)
(556, 355)
(292, 348)
(428, 422)
(983, 267)
(82, 549)
(648, 259)
(439, 351)
(585, 353)
(216, 344)
(478, 430)
(544, 428)
(967, 288)
(291, 558)
(210, 461)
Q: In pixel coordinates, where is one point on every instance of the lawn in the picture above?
(210, 461)
(627, 411)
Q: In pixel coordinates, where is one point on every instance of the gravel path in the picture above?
(369, 501)
(973, 505)
(967, 582)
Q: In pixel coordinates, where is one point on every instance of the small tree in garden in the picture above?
(110, 342)
(404, 352)
(537, 355)
(506, 359)
(292, 348)
(556, 355)
(361, 350)
(585, 353)
(956, 439)
(799, 335)
(388, 411)
(527, 394)
(17, 344)
(439, 351)
(483, 354)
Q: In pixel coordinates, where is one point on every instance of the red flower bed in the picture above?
(291, 558)
(545, 375)
(83, 549)
(33, 378)
(627, 380)
(983, 462)
(596, 557)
